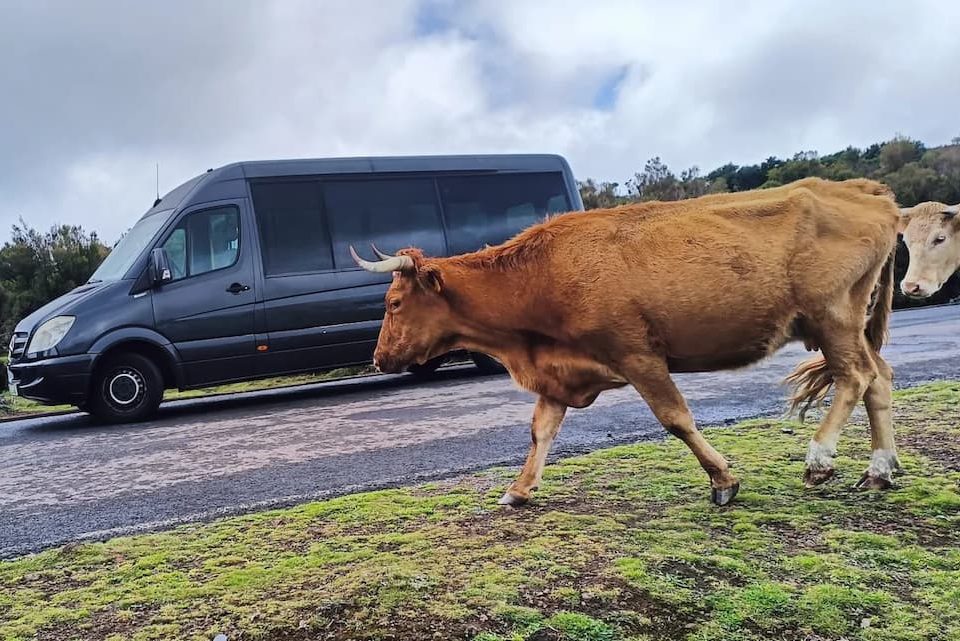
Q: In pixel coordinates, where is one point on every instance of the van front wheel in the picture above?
(126, 388)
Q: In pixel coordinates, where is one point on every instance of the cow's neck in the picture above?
(495, 308)
(500, 312)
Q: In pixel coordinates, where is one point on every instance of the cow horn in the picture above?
(950, 212)
(388, 264)
(379, 253)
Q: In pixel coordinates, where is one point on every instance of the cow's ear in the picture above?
(431, 278)
(905, 213)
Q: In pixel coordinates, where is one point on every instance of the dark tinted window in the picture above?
(392, 214)
(204, 241)
(491, 209)
(293, 234)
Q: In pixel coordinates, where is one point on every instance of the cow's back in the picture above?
(723, 276)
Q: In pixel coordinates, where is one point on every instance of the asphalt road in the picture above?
(64, 479)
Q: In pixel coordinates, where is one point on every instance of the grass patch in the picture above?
(16, 406)
(619, 545)
(270, 383)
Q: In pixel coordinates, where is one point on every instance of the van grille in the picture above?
(18, 343)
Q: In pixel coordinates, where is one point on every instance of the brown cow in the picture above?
(590, 301)
(931, 232)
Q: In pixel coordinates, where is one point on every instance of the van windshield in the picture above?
(129, 247)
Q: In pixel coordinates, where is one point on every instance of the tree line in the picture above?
(913, 171)
(36, 267)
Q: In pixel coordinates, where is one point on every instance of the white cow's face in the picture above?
(931, 232)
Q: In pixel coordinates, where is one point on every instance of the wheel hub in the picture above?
(125, 387)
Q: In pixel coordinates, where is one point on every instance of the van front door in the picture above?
(207, 310)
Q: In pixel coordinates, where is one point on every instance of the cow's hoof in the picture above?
(723, 496)
(870, 482)
(813, 478)
(512, 500)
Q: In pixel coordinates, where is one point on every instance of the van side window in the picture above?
(293, 233)
(490, 208)
(391, 213)
(204, 241)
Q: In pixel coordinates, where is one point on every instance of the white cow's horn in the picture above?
(387, 264)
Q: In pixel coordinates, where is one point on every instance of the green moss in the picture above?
(569, 597)
(574, 626)
(761, 605)
(518, 616)
(835, 610)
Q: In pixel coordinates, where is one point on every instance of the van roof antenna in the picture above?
(157, 201)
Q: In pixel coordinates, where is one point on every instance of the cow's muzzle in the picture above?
(917, 290)
(387, 365)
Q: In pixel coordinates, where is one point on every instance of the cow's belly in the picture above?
(732, 360)
(717, 340)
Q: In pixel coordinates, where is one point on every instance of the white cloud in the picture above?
(95, 94)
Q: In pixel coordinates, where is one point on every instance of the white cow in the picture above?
(931, 232)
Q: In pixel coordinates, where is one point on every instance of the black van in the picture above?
(244, 272)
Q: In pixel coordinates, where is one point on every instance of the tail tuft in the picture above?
(811, 382)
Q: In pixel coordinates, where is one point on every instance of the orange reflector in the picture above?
(262, 348)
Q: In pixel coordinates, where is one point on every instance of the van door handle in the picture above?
(236, 288)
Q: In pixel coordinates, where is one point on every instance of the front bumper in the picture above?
(64, 380)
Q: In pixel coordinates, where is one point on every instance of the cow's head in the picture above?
(416, 324)
(931, 232)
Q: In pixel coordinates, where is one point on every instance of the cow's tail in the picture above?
(812, 379)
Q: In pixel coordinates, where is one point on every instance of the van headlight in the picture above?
(49, 334)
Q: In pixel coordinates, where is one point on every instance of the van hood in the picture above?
(62, 305)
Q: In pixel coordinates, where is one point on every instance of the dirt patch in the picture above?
(940, 446)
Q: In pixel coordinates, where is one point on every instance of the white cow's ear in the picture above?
(905, 213)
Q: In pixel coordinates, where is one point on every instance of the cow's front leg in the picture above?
(651, 377)
(547, 417)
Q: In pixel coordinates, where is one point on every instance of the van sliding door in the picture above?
(320, 309)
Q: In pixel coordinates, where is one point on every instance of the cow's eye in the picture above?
(939, 239)
(394, 305)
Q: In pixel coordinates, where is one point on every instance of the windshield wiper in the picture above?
(94, 280)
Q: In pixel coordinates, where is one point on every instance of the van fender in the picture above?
(138, 335)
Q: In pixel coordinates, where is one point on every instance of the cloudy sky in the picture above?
(93, 94)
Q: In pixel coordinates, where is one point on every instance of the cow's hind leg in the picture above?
(877, 399)
(651, 378)
(547, 418)
(854, 371)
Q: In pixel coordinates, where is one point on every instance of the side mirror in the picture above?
(160, 266)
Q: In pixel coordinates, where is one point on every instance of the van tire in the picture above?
(127, 388)
(429, 369)
(487, 364)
